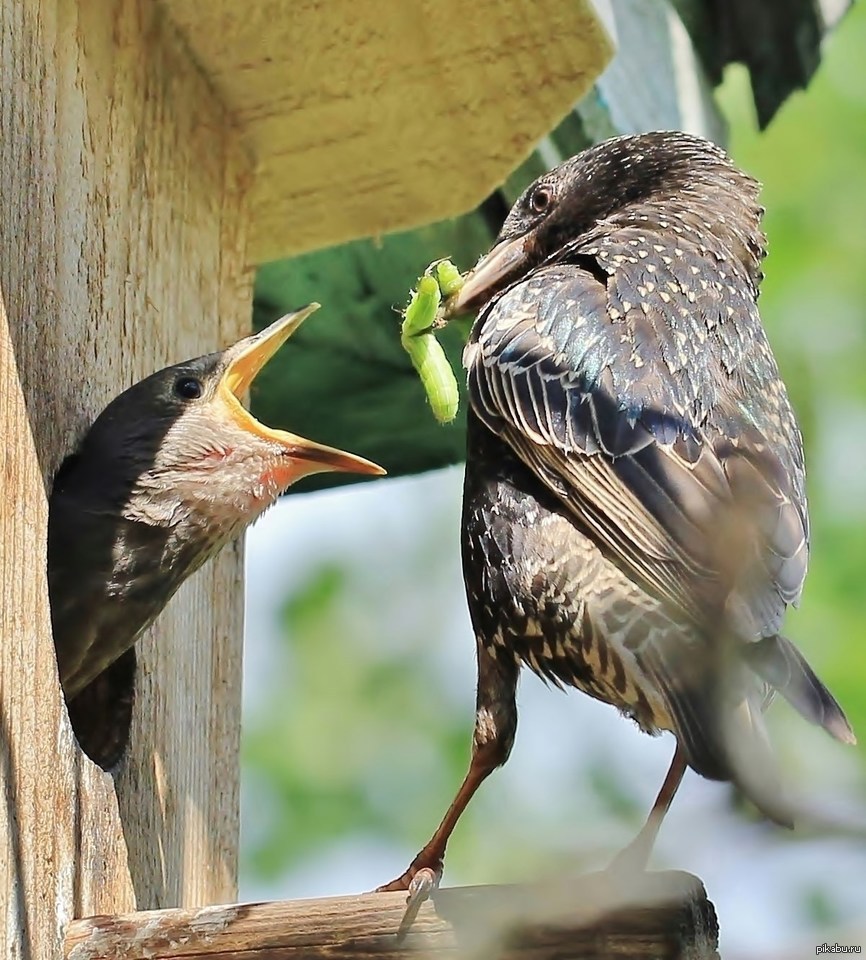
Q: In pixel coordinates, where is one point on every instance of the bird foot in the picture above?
(420, 880)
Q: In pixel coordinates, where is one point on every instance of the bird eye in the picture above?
(540, 199)
(188, 388)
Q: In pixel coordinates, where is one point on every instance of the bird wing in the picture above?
(652, 434)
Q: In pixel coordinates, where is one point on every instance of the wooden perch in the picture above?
(657, 915)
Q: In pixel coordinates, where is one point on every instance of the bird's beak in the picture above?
(245, 359)
(491, 273)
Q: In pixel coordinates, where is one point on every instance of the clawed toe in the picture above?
(422, 886)
(419, 882)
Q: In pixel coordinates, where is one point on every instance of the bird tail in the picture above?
(777, 661)
(751, 763)
(721, 728)
(717, 709)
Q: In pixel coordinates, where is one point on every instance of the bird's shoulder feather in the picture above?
(657, 416)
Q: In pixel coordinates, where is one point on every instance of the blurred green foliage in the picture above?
(356, 731)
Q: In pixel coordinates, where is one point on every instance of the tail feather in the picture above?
(777, 661)
(721, 731)
(752, 764)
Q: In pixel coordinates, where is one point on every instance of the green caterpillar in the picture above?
(450, 279)
(425, 351)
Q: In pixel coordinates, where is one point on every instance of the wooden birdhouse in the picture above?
(152, 155)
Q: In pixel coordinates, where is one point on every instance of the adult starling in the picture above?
(634, 515)
(171, 470)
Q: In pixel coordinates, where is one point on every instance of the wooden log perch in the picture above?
(657, 915)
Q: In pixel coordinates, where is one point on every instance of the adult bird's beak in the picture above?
(244, 361)
(491, 273)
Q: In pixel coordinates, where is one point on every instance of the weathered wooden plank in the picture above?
(659, 915)
(367, 117)
(122, 248)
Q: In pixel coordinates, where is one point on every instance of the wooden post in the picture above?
(122, 249)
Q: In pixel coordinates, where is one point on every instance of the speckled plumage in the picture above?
(635, 519)
(542, 594)
(629, 372)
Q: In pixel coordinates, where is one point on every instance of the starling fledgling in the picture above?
(170, 471)
(634, 517)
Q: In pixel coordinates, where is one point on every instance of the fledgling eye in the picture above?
(540, 199)
(188, 388)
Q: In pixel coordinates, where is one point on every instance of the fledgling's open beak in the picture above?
(245, 359)
(507, 259)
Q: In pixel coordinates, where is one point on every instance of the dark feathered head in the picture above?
(180, 440)
(614, 182)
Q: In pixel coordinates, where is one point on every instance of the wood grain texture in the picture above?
(122, 249)
(660, 915)
(367, 117)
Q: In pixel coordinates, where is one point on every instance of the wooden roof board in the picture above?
(366, 117)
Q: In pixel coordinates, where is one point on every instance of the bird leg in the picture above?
(634, 858)
(495, 725)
